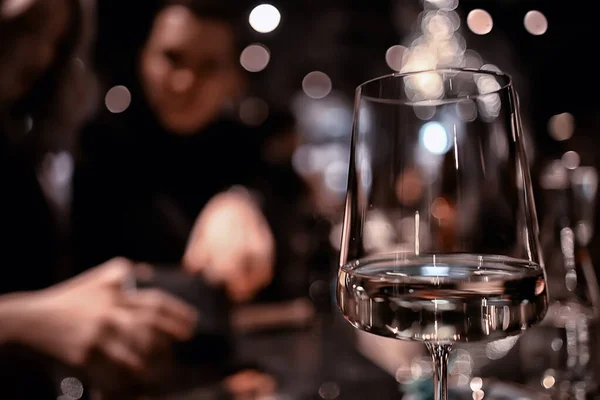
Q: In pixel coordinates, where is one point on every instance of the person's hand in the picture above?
(231, 245)
(95, 324)
(250, 384)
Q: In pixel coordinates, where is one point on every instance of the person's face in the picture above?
(188, 69)
(29, 46)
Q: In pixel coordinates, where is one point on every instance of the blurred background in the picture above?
(274, 110)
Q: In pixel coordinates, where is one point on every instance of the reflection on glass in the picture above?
(439, 240)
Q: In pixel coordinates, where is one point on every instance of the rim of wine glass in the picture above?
(505, 86)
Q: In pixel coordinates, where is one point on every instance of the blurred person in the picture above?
(89, 323)
(162, 169)
(168, 182)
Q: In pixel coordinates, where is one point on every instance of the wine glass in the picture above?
(440, 236)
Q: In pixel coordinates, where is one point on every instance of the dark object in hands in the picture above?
(211, 344)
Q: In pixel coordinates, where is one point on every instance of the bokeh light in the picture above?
(424, 112)
(466, 110)
(255, 58)
(561, 126)
(478, 395)
(117, 99)
(548, 380)
(72, 388)
(480, 22)
(440, 45)
(571, 160)
(435, 138)
(438, 25)
(394, 56)
(476, 384)
(472, 59)
(316, 85)
(14, 8)
(445, 5)
(264, 18)
(535, 23)
(488, 100)
(253, 111)
(424, 86)
(491, 68)
(329, 390)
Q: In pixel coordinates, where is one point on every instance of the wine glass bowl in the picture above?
(444, 298)
(440, 236)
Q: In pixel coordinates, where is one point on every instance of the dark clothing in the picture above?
(29, 255)
(138, 190)
(29, 243)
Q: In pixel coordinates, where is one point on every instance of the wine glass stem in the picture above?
(440, 354)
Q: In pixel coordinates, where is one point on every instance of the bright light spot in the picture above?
(548, 380)
(253, 111)
(489, 100)
(480, 22)
(72, 388)
(437, 25)
(435, 138)
(117, 99)
(445, 5)
(264, 18)
(561, 126)
(478, 395)
(255, 58)
(570, 160)
(424, 86)
(535, 22)
(556, 344)
(450, 51)
(476, 384)
(60, 166)
(420, 58)
(486, 83)
(393, 57)
(316, 85)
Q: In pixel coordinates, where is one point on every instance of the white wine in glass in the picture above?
(440, 155)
